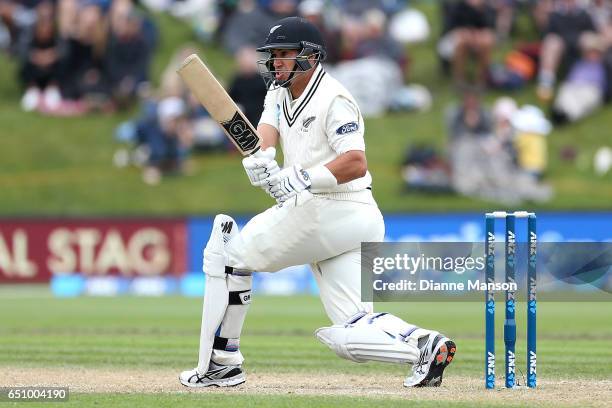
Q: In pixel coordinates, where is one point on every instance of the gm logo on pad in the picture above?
(348, 128)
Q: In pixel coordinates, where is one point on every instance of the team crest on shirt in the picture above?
(347, 128)
(307, 122)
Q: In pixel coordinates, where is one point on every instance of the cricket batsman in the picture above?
(325, 210)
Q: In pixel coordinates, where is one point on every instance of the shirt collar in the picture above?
(310, 84)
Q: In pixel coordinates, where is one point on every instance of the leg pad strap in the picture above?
(240, 297)
(222, 343)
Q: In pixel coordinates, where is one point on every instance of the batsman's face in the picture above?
(284, 63)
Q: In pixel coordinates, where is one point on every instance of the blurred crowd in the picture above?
(75, 56)
(572, 52)
(500, 152)
(81, 55)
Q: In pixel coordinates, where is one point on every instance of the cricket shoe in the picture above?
(437, 352)
(217, 375)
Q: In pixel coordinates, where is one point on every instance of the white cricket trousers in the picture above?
(322, 230)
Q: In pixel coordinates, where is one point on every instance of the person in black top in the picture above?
(40, 50)
(247, 89)
(472, 30)
(128, 54)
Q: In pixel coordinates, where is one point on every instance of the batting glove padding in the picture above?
(261, 166)
(288, 183)
(322, 179)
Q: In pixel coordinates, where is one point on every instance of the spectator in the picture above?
(503, 110)
(351, 34)
(601, 14)
(312, 10)
(505, 11)
(161, 136)
(567, 23)
(168, 139)
(170, 124)
(471, 118)
(480, 167)
(83, 67)
(424, 169)
(245, 26)
(540, 11)
(67, 17)
(583, 90)
(250, 23)
(375, 94)
(376, 41)
(531, 129)
(471, 31)
(17, 17)
(281, 8)
(41, 50)
(128, 53)
(247, 89)
(225, 10)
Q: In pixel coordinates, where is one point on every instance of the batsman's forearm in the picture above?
(269, 135)
(348, 166)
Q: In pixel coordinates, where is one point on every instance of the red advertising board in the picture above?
(34, 250)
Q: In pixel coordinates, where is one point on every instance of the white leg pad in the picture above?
(215, 304)
(370, 338)
(214, 253)
(216, 292)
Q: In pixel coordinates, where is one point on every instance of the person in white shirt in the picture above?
(324, 211)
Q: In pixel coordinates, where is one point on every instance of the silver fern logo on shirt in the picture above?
(307, 122)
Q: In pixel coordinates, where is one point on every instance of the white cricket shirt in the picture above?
(317, 127)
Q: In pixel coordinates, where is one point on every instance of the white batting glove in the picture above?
(288, 183)
(261, 166)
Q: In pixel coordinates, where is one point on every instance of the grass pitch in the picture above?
(128, 351)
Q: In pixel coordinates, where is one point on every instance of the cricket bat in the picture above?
(219, 105)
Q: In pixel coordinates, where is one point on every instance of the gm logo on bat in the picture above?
(241, 133)
(348, 128)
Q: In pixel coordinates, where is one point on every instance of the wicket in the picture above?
(510, 322)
